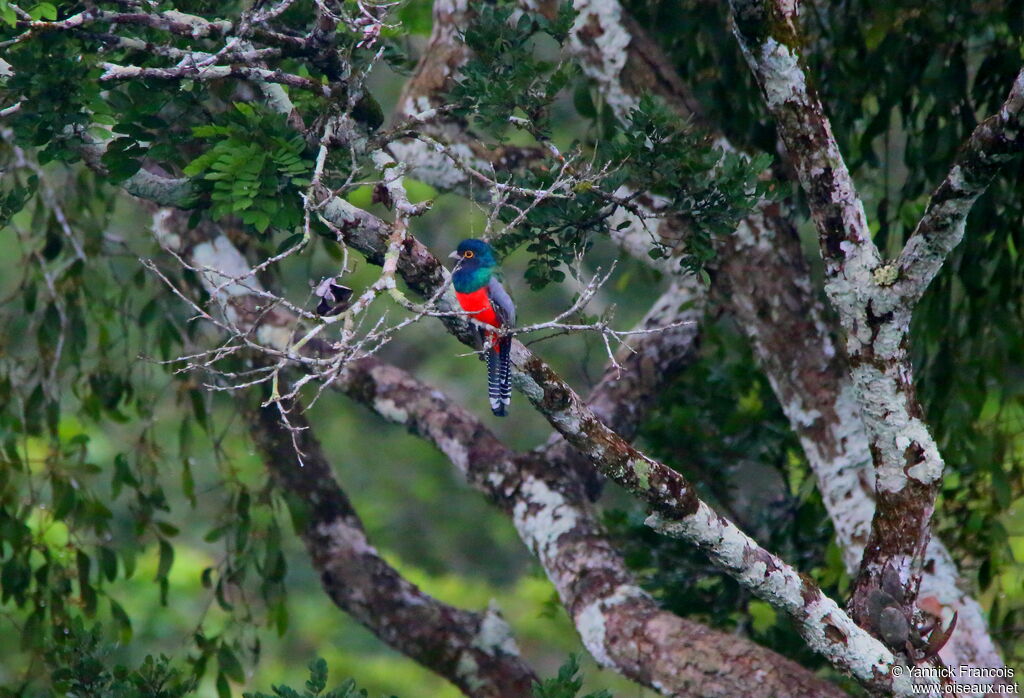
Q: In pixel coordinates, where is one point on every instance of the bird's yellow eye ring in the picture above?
(468, 254)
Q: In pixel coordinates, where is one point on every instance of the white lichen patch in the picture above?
(971, 643)
(390, 410)
(782, 76)
(163, 231)
(541, 516)
(434, 166)
(495, 479)
(495, 635)
(223, 270)
(344, 540)
(758, 236)
(845, 476)
(886, 275)
(591, 621)
(601, 42)
(456, 451)
(342, 213)
(469, 671)
(566, 421)
(197, 25)
(893, 430)
(800, 416)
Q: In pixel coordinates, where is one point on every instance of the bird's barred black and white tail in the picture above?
(499, 376)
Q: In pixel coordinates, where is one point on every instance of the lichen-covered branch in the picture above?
(907, 463)
(825, 626)
(785, 323)
(114, 72)
(994, 141)
(619, 623)
(547, 503)
(475, 651)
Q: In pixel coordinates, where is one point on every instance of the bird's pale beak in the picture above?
(454, 255)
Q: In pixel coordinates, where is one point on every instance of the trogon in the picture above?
(480, 293)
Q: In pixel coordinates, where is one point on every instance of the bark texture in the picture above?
(548, 505)
(875, 301)
(763, 279)
(475, 651)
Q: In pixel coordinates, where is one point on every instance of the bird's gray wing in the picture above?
(502, 303)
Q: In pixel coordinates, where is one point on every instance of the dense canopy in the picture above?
(768, 352)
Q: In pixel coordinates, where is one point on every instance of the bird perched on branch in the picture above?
(481, 294)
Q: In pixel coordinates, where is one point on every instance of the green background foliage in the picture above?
(136, 520)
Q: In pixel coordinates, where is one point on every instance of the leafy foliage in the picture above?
(80, 665)
(651, 151)
(14, 200)
(315, 686)
(567, 684)
(504, 76)
(720, 425)
(55, 82)
(709, 189)
(254, 168)
(75, 518)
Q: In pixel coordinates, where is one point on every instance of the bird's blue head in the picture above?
(476, 263)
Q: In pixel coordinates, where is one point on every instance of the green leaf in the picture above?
(317, 676)
(166, 559)
(108, 563)
(229, 664)
(223, 687)
(122, 620)
(44, 10)
(289, 242)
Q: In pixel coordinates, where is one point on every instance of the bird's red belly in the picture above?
(479, 304)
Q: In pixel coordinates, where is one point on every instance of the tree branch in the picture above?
(825, 627)
(994, 141)
(876, 319)
(114, 72)
(547, 503)
(784, 321)
(614, 616)
(474, 651)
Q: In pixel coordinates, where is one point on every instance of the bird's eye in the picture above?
(468, 254)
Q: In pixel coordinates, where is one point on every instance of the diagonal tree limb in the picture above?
(994, 142)
(547, 504)
(820, 621)
(875, 316)
(764, 280)
(619, 623)
(475, 651)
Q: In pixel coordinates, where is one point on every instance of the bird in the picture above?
(480, 293)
